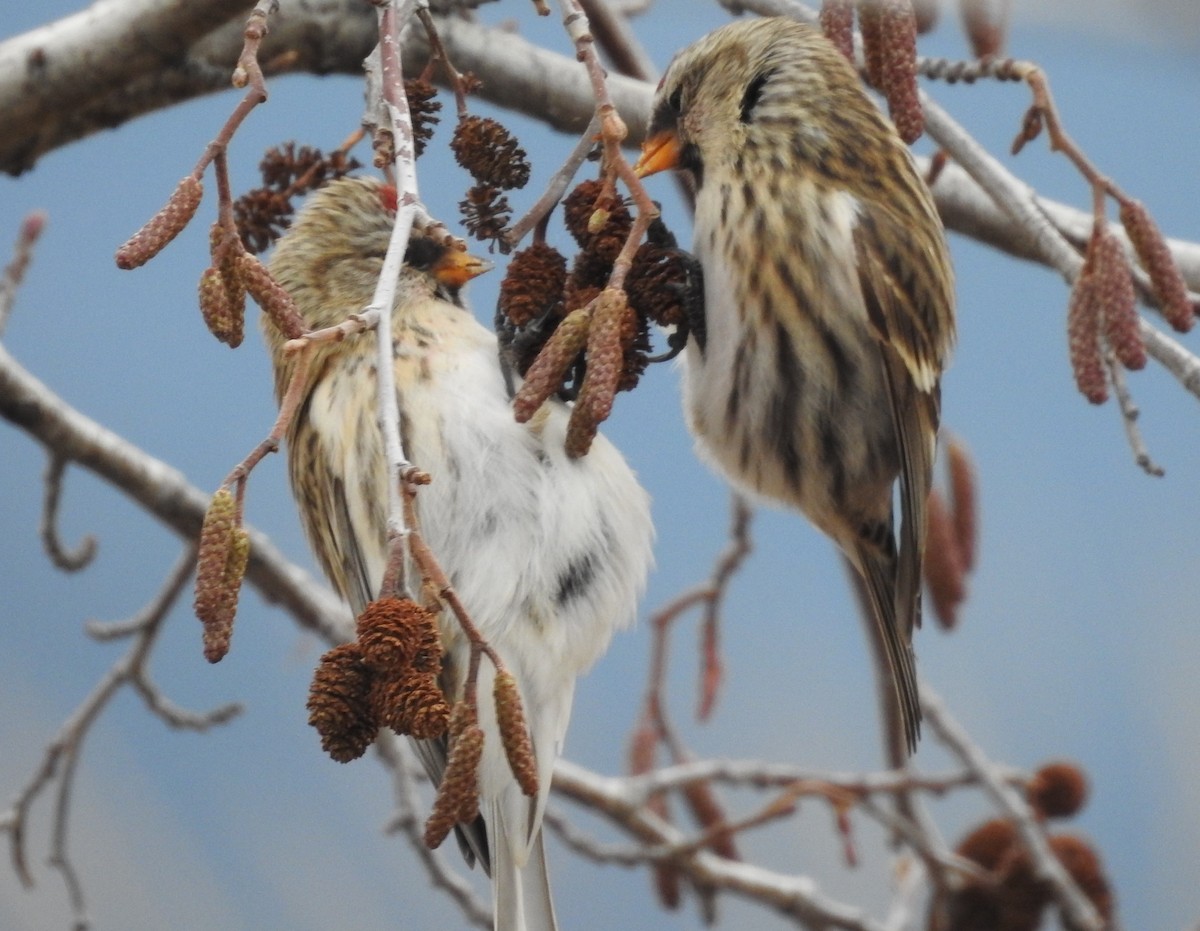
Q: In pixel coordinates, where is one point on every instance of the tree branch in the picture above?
(161, 491)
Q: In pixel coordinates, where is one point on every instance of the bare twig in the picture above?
(612, 134)
(392, 17)
(14, 272)
(69, 560)
(554, 189)
(709, 596)
(161, 491)
(1129, 416)
(798, 897)
(63, 751)
(1075, 905)
(407, 821)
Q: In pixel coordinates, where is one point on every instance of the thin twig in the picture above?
(554, 189)
(14, 272)
(1129, 416)
(288, 406)
(798, 897)
(709, 595)
(612, 134)
(392, 17)
(62, 753)
(67, 559)
(406, 821)
(1075, 905)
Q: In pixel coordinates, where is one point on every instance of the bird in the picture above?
(548, 554)
(827, 311)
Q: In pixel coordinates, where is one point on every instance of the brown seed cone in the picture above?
(1155, 256)
(410, 703)
(425, 709)
(579, 297)
(533, 285)
(224, 318)
(990, 844)
(514, 732)
(1013, 899)
(837, 22)
(458, 795)
(262, 214)
(598, 220)
(588, 272)
(1118, 303)
(485, 211)
(944, 572)
(654, 284)
(1083, 335)
(635, 349)
(963, 501)
(1057, 790)
(490, 153)
(546, 374)
(899, 68)
(393, 632)
(1083, 864)
(270, 296)
(1021, 897)
(164, 226)
(423, 109)
(578, 207)
(339, 703)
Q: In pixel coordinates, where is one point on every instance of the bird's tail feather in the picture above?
(899, 673)
(521, 894)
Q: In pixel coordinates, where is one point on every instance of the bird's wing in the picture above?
(901, 300)
(907, 283)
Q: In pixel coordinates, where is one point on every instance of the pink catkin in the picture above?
(1118, 303)
(1083, 336)
(1155, 256)
(837, 22)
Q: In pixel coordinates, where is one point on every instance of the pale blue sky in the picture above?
(1079, 640)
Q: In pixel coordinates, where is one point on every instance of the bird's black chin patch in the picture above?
(422, 252)
(690, 161)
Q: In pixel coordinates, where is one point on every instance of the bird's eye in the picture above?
(675, 100)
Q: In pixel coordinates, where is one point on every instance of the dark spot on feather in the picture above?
(576, 579)
(831, 457)
(783, 417)
(753, 94)
(748, 196)
(843, 367)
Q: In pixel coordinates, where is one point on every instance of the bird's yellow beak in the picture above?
(457, 266)
(659, 152)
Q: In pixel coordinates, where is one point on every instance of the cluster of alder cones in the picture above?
(388, 676)
(1010, 896)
